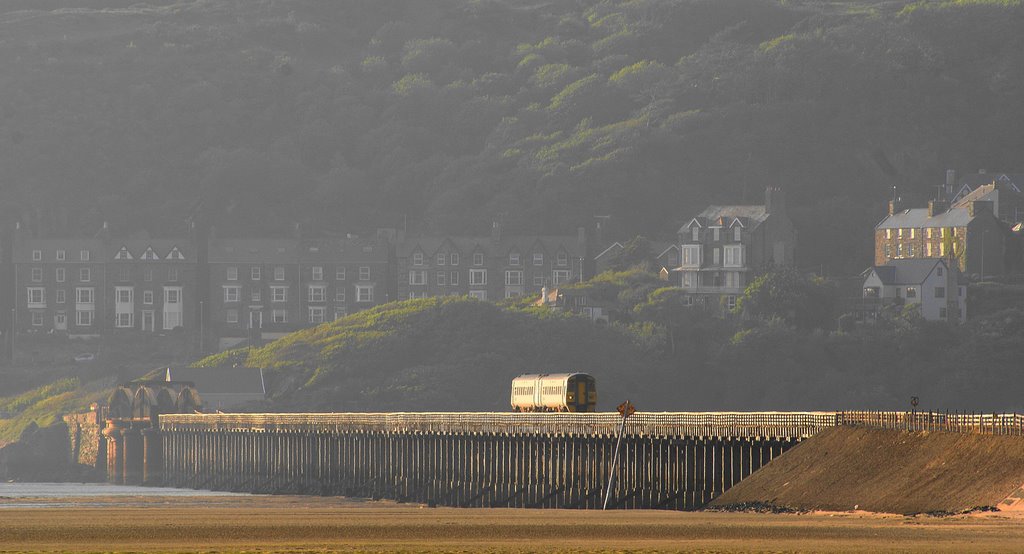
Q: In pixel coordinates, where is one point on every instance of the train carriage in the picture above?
(554, 392)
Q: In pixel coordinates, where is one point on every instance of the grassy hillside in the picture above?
(442, 354)
(446, 114)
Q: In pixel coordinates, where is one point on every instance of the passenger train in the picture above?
(554, 392)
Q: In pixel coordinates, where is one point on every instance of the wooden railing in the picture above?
(953, 422)
(795, 425)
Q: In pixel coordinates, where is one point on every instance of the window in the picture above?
(737, 233)
(147, 297)
(124, 274)
(317, 293)
(888, 251)
(175, 254)
(716, 234)
(278, 294)
(37, 319)
(732, 279)
(899, 250)
(37, 255)
(232, 316)
(888, 233)
(364, 293)
(316, 314)
(340, 313)
(418, 277)
(942, 313)
(37, 274)
(513, 278)
(899, 232)
(84, 255)
(172, 274)
(172, 295)
(147, 275)
(256, 295)
(560, 276)
(940, 292)
(232, 273)
(339, 295)
(318, 273)
(715, 255)
(477, 277)
(453, 278)
(85, 295)
(911, 292)
(938, 271)
(36, 297)
(689, 279)
(734, 256)
(84, 274)
(538, 258)
(513, 258)
(441, 259)
(691, 255)
(454, 258)
(339, 274)
(478, 294)
(695, 233)
(149, 254)
(942, 249)
(61, 296)
(928, 232)
(232, 294)
(911, 233)
(123, 295)
(279, 273)
(478, 258)
(910, 250)
(364, 273)
(255, 272)
(123, 320)
(123, 254)
(417, 258)
(83, 317)
(538, 280)
(928, 249)
(730, 302)
(61, 255)
(280, 316)
(563, 259)
(442, 278)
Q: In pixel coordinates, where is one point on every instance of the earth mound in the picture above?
(854, 468)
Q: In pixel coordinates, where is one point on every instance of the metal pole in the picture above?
(615, 462)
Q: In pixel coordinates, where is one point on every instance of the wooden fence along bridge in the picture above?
(667, 460)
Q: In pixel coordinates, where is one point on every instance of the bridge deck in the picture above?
(787, 425)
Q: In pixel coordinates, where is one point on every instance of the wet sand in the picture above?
(313, 524)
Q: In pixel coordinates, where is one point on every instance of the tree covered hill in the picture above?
(257, 114)
(444, 354)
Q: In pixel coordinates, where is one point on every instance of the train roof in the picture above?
(553, 375)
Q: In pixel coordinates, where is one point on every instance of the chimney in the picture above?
(978, 207)
(895, 206)
(936, 207)
(495, 231)
(774, 200)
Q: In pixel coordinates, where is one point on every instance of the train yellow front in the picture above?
(554, 392)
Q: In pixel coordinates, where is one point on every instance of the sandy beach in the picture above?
(314, 524)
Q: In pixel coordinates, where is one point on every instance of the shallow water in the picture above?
(78, 494)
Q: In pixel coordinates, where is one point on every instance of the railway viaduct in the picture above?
(666, 460)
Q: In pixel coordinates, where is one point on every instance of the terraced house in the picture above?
(723, 247)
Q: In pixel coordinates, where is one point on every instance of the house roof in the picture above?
(220, 380)
(22, 249)
(749, 216)
(161, 247)
(256, 251)
(523, 244)
(918, 218)
(907, 271)
(342, 250)
(612, 249)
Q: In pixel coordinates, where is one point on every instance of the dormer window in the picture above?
(478, 258)
(150, 254)
(84, 255)
(442, 258)
(417, 258)
(123, 254)
(61, 255)
(37, 255)
(695, 233)
(175, 254)
(513, 258)
(716, 234)
(737, 233)
(538, 258)
(563, 258)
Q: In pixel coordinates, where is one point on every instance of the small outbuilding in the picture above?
(222, 388)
